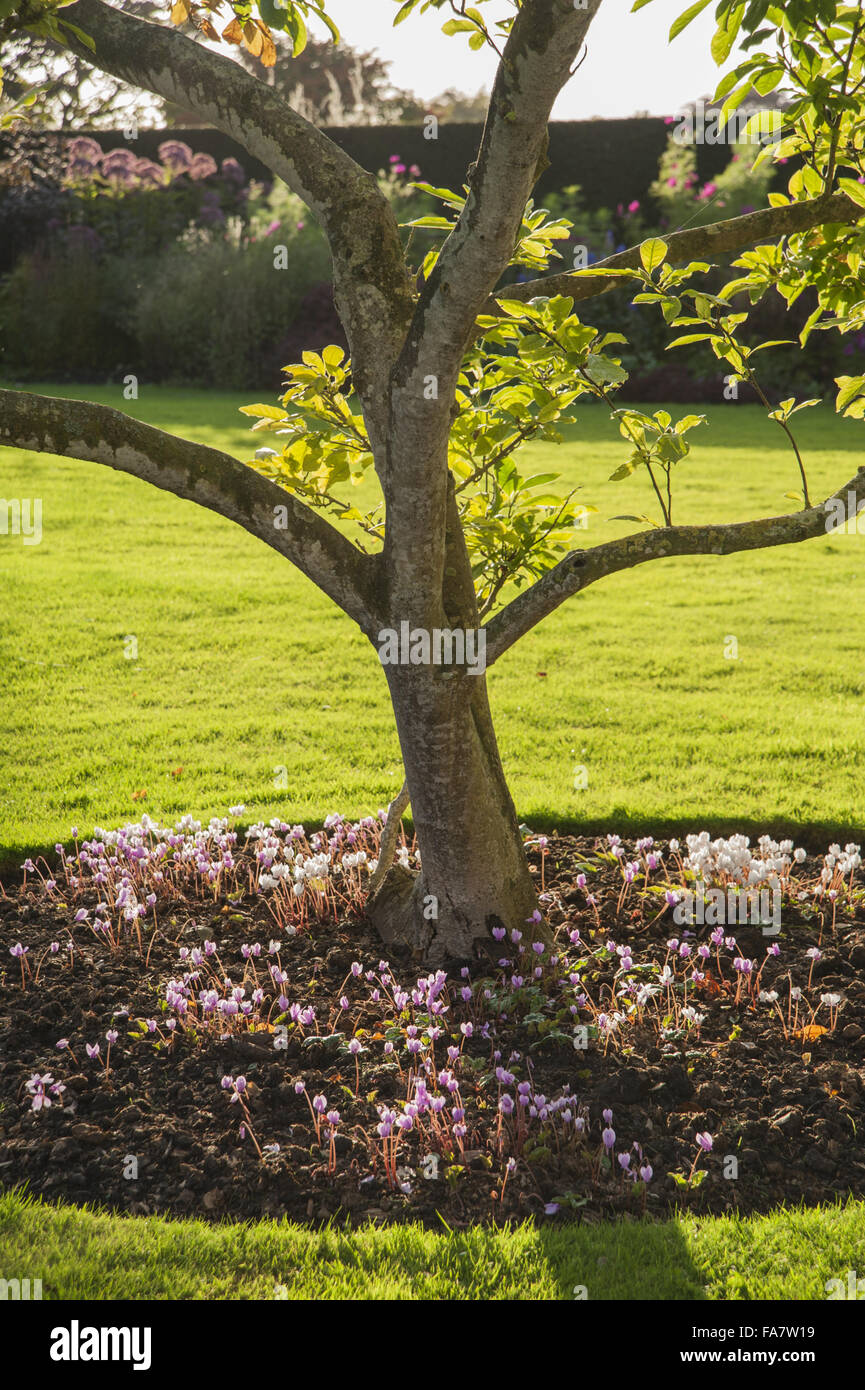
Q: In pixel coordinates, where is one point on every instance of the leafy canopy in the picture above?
(530, 363)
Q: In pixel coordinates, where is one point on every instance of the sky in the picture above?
(630, 66)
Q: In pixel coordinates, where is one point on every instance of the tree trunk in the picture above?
(474, 874)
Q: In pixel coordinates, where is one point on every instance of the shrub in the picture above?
(65, 312)
(213, 307)
(141, 206)
(681, 200)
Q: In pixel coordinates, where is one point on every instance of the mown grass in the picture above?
(243, 669)
(84, 1254)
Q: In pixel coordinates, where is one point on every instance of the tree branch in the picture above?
(540, 51)
(371, 281)
(82, 430)
(584, 567)
(542, 46)
(389, 836)
(695, 243)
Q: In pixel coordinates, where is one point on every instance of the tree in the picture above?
(450, 105)
(333, 84)
(327, 83)
(67, 93)
(452, 375)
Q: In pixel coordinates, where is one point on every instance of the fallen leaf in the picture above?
(811, 1033)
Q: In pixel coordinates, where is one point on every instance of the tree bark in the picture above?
(474, 875)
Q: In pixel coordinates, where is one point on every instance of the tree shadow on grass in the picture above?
(622, 1260)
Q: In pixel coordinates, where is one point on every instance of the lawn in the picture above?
(81, 1254)
(250, 687)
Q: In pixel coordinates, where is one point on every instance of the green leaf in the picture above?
(602, 370)
(849, 388)
(653, 253)
(810, 322)
(598, 274)
(296, 29)
(854, 190)
(263, 412)
(446, 195)
(725, 35)
(773, 342)
(768, 80)
(332, 356)
(689, 338)
(404, 11)
(624, 470)
(431, 220)
(79, 34)
(685, 18)
(334, 31)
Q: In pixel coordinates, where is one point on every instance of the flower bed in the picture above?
(198, 1021)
